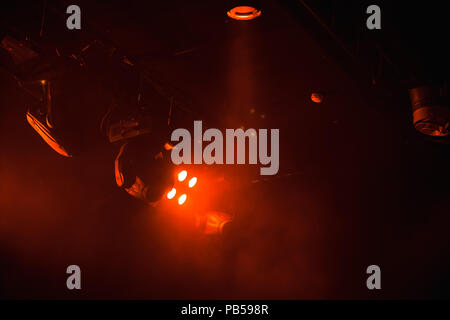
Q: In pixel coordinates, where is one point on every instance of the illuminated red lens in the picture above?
(182, 199)
(182, 175)
(192, 182)
(171, 193)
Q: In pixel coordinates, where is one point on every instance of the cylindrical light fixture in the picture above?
(431, 110)
(243, 9)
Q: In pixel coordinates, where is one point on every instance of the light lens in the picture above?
(192, 182)
(182, 199)
(182, 175)
(171, 193)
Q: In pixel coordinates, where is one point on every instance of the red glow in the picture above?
(168, 146)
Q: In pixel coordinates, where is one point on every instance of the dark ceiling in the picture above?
(357, 184)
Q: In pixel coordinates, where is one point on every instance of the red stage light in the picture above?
(244, 13)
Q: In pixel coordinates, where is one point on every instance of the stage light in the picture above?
(171, 193)
(192, 182)
(182, 199)
(317, 97)
(141, 173)
(182, 175)
(213, 222)
(244, 13)
(431, 111)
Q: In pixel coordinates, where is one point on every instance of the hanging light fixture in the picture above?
(244, 13)
(431, 110)
(243, 9)
(182, 186)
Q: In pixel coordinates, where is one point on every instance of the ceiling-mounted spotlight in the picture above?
(182, 185)
(213, 222)
(244, 13)
(244, 10)
(144, 171)
(431, 110)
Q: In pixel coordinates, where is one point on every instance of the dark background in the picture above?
(357, 184)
